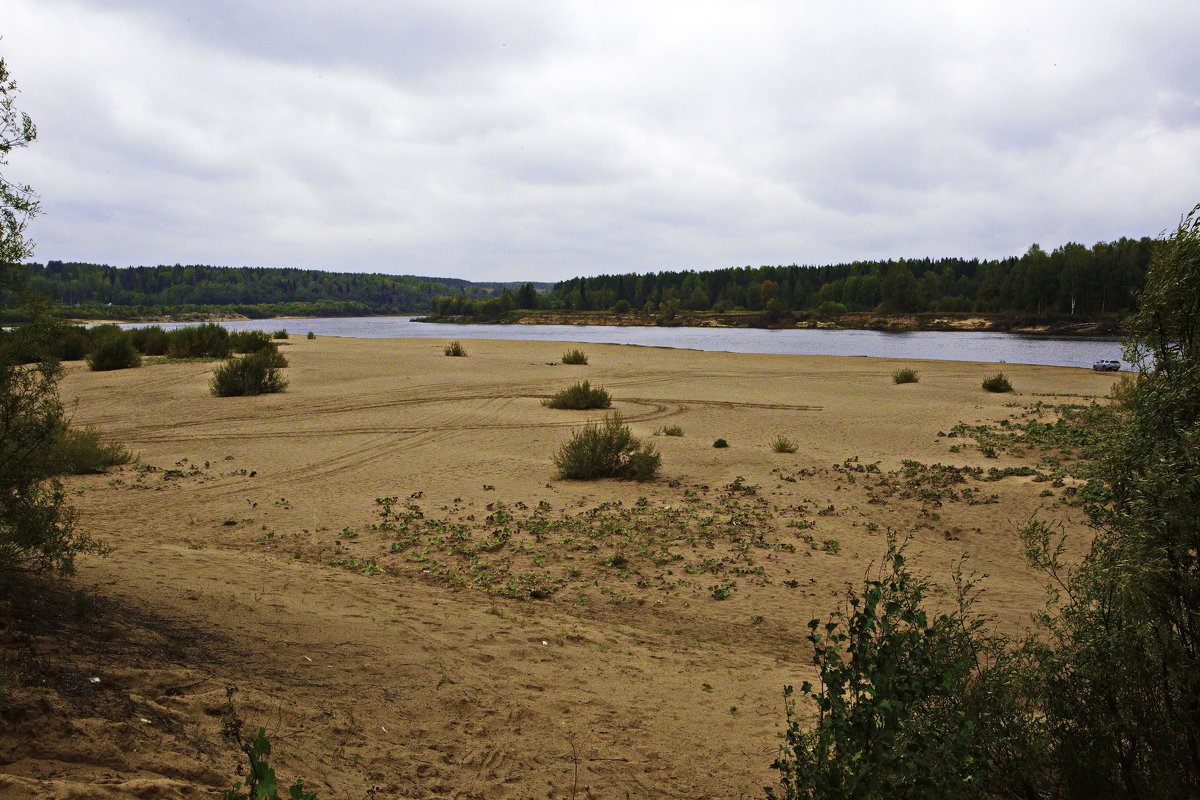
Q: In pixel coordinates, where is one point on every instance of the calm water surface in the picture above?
(945, 346)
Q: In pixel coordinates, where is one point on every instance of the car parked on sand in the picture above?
(1106, 366)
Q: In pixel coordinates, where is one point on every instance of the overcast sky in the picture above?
(542, 139)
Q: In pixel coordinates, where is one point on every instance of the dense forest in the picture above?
(1072, 279)
(250, 291)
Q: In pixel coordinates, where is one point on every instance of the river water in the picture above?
(945, 346)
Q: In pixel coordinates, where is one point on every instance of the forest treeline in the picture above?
(1071, 279)
(256, 292)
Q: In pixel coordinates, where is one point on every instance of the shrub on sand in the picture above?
(606, 449)
(455, 349)
(905, 375)
(79, 451)
(783, 444)
(257, 373)
(997, 383)
(579, 396)
(575, 356)
(113, 350)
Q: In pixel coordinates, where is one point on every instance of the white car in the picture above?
(1106, 366)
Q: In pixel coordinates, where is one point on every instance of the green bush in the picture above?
(782, 444)
(311, 335)
(73, 343)
(150, 340)
(455, 349)
(79, 451)
(113, 350)
(198, 341)
(251, 342)
(280, 334)
(606, 449)
(905, 375)
(257, 373)
(997, 383)
(671, 430)
(579, 396)
(575, 356)
(719, 443)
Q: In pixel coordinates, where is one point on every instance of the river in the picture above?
(944, 346)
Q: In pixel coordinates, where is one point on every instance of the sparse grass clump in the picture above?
(905, 375)
(257, 373)
(311, 335)
(455, 349)
(606, 449)
(783, 444)
(113, 350)
(720, 443)
(280, 334)
(80, 451)
(579, 397)
(997, 383)
(671, 430)
(575, 356)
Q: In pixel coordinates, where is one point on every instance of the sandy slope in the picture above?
(241, 551)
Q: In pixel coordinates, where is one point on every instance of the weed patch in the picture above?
(580, 396)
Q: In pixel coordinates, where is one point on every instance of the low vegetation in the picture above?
(575, 356)
(905, 375)
(80, 451)
(455, 349)
(997, 383)
(579, 396)
(720, 443)
(257, 373)
(209, 340)
(670, 430)
(782, 444)
(606, 449)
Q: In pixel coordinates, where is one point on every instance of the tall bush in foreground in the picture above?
(257, 373)
(607, 449)
(910, 703)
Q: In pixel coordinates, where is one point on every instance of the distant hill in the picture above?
(123, 292)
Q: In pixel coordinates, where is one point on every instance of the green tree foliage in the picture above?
(37, 527)
(1103, 700)
(911, 704)
(1073, 279)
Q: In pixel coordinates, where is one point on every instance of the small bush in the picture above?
(73, 343)
(280, 334)
(997, 383)
(311, 335)
(79, 451)
(150, 340)
(580, 396)
(671, 430)
(250, 342)
(606, 449)
(783, 444)
(575, 356)
(905, 375)
(198, 341)
(257, 373)
(719, 443)
(114, 350)
(455, 349)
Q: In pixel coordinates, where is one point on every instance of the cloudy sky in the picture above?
(542, 139)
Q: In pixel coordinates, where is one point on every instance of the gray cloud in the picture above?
(544, 140)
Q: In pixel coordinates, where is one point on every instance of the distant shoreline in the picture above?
(1029, 325)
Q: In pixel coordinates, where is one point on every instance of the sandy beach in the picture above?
(384, 564)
